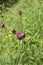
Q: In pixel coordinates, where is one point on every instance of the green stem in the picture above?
(19, 46)
(20, 27)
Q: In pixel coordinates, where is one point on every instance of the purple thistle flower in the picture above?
(20, 35)
(20, 12)
(14, 31)
(2, 25)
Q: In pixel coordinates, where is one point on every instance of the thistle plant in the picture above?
(2, 25)
(20, 35)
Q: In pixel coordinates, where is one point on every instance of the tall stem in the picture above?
(20, 23)
(19, 46)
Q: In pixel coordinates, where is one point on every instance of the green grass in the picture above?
(32, 25)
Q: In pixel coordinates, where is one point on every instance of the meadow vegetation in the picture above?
(21, 32)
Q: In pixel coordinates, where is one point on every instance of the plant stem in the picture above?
(20, 28)
(19, 46)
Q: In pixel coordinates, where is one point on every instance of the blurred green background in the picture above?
(32, 25)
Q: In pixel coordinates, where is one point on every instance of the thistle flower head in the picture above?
(20, 35)
(20, 12)
(14, 31)
(2, 25)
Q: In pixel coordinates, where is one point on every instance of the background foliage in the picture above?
(32, 25)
